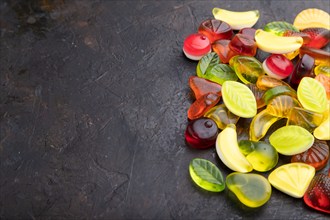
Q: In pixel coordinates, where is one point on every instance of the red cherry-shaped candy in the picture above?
(195, 46)
(201, 133)
(278, 66)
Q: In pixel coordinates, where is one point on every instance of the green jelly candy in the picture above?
(279, 27)
(278, 90)
(311, 94)
(292, 139)
(239, 99)
(248, 69)
(261, 155)
(253, 190)
(220, 73)
(207, 61)
(222, 116)
(206, 175)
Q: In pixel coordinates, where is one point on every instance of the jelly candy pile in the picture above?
(292, 85)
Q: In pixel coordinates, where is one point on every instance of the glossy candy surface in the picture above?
(220, 73)
(312, 17)
(281, 105)
(201, 133)
(248, 32)
(265, 82)
(279, 27)
(258, 94)
(325, 81)
(304, 118)
(292, 179)
(202, 86)
(278, 66)
(277, 91)
(222, 116)
(215, 30)
(319, 37)
(322, 132)
(221, 47)
(243, 45)
(317, 195)
(195, 46)
(202, 105)
(303, 68)
(322, 69)
(321, 57)
(253, 190)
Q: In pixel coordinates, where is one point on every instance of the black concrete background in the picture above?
(93, 99)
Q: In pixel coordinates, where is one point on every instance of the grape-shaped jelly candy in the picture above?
(221, 47)
(248, 69)
(316, 156)
(195, 46)
(279, 27)
(202, 105)
(261, 155)
(304, 118)
(277, 91)
(206, 175)
(260, 124)
(201, 133)
(317, 195)
(278, 66)
(303, 68)
(202, 86)
(215, 30)
(248, 32)
(322, 69)
(312, 17)
(319, 37)
(253, 190)
(321, 57)
(265, 82)
(281, 106)
(291, 139)
(292, 179)
(258, 94)
(222, 116)
(243, 45)
(325, 81)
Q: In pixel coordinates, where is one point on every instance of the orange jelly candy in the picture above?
(201, 86)
(202, 105)
(325, 81)
(221, 47)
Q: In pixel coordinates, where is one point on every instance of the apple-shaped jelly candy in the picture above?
(215, 30)
(195, 46)
(278, 66)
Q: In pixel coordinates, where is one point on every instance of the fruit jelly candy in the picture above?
(316, 156)
(221, 47)
(202, 105)
(195, 46)
(243, 45)
(222, 116)
(304, 67)
(320, 56)
(325, 81)
(322, 69)
(258, 94)
(319, 37)
(317, 195)
(201, 133)
(281, 105)
(248, 32)
(306, 37)
(291, 55)
(304, 118)
(215, 30)
(278, 90)
(278, 66)
(265, 82)
(201, 86)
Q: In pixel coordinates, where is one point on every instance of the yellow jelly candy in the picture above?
(292, 179)
(312, 18)
(322, 132)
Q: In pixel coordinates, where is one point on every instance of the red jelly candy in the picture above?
(215, 30)
(202, 105)
(201, 133)
(316, 156)
(306, 37)
(278, 66)
(243, 45)
(195, 46)
(303, 68)
(221, 47)
(202, 86)
(319, 37)
(317, 195)
(248, 32)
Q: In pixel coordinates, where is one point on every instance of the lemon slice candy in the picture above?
(312, 17)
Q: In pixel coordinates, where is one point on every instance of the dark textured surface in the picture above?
(93, 100)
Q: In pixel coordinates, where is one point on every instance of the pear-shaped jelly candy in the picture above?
(239, 99)
(248, 69)
(316, 156)
(291, 140)
(304, 118)
(322, 69)
(222, 116)
(215, 30)
(202, 105)
(303, 68)
(292, 179)
(253, 190)
(202, 86)
(321, 57)
(312, 95)
(260, 124)
(261, 155)
(281, 105)
(265, 82)
(325, 81)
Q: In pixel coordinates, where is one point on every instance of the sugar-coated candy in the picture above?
(281, 105)
(221, 47)
(202, 105)
(291, 139)
(261, 155)
(317, 195)
(221, 116)
(316, 156)
(239, 99)
(215, 30)
(237, 20)
(278, 66)
(303, 68)
(247, 68)
(322, 69)
(248, 32)
(253, 190)
(258, 94)
(322, 132)
(277, 91)
(243, 45)
(311, 94)
(312, 17)
(325, 81)
(304, 118)
(201, 133)
(260, 124)
(228, 150)
(265, 82)
(320, 56)
(292, 179)
(319, 37)
(272, 43)
(202, 86)
(279, 27)
(206, 175)
(195, 46)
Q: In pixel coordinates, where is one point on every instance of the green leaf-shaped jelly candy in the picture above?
(207, 61)
(279, 27)
(220, 73)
